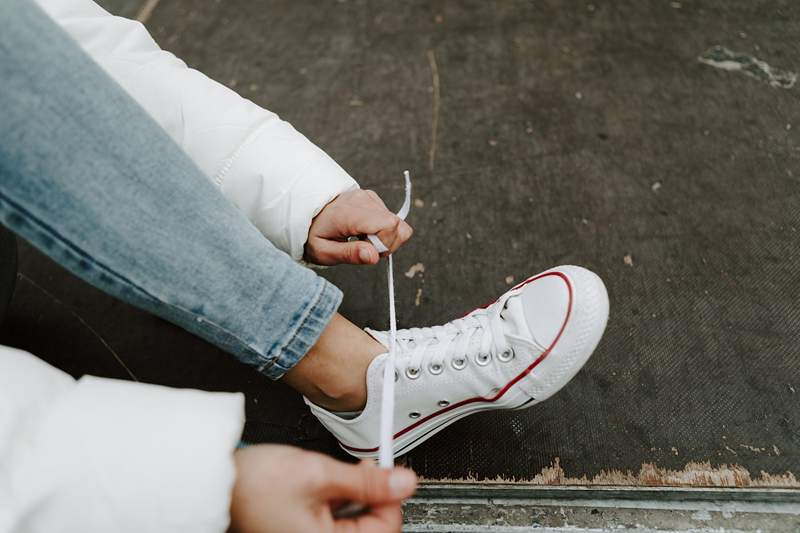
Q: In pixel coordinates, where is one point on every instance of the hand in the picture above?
(354, 214)
(280, 488)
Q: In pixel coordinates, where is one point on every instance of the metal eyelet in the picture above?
(435, 368)
(442, 403)
(412, 373)
(396, 376)
(506, 356)
(414, 414)
(483, 359)
(459, 363)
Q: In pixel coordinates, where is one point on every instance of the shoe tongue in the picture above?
(513, 316)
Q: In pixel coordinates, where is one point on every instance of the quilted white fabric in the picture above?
(98, 454)
(274, 174)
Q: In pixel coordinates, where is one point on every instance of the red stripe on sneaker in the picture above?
(508, 385)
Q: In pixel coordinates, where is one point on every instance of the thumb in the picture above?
(368, 484)
(330, 252)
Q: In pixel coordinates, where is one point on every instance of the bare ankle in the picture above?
(343, 399)
(333, 374)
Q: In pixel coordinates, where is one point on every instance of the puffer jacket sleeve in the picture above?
(104, 455)
(273, 173)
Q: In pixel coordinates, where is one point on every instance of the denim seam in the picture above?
(286, 355)
(274, 359)
(71, 248)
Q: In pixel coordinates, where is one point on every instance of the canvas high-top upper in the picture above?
(512, 353)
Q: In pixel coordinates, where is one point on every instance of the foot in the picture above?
(513, 353)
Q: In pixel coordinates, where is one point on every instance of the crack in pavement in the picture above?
(82, 321)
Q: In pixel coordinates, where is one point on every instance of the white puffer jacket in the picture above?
(105, 455)
(261, 163)
(102, 455)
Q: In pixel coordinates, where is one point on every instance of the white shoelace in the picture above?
(385, 455)
(480, 332)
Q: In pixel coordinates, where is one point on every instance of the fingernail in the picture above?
(365, 256)
(402, 483)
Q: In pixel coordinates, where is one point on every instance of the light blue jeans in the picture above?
(88, 178)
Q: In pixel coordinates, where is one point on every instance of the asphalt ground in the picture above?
(539, 133)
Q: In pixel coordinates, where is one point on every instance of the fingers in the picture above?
(375, 198)
(381, 519)
(368, 484)
(354, 213)
(394, 236)
(330, 252)
(373, 218)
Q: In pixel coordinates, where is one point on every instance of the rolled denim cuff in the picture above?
(313, 319)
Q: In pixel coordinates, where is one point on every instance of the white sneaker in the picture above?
(513, 353)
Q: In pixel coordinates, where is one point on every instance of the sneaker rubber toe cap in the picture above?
(545, 304)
